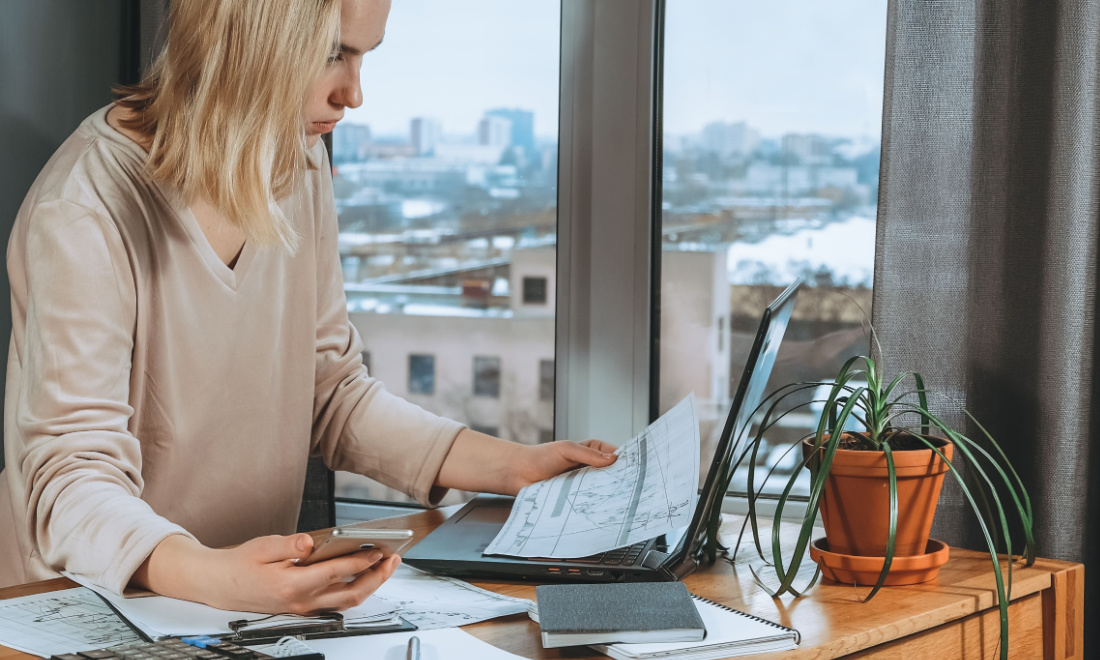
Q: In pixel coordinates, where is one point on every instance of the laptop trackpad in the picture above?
(486, 515)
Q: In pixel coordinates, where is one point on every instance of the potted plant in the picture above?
(882, 435)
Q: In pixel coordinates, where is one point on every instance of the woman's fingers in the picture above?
(271, 549)
(339, 569)
(587, 455)
(342, 595)
(600, 446)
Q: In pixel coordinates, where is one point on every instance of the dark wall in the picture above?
(58, 61)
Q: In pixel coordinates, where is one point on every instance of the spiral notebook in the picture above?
(730, 633)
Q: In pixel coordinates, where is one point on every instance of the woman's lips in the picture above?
(324, 126)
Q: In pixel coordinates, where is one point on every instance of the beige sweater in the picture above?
(152, 390)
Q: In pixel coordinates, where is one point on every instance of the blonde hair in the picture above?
(222, 105)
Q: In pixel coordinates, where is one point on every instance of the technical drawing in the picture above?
(59, 622)
(650, 490)
(432, 602)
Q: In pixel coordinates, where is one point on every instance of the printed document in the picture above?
(160, 616)
(59, 622)
(650, 490)
(430, 602)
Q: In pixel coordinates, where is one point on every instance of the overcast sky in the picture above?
(782, 66)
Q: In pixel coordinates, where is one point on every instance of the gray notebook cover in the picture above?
(619, 612)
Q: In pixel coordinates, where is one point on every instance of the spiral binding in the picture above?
(798, 635)
(290, 646)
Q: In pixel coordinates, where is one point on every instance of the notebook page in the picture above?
(726, 628)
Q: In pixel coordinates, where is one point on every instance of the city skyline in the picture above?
(795, 67)
(470, 134)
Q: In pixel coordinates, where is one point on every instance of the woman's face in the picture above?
(362, 25)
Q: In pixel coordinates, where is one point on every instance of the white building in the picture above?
(730, 139)
(494, 370)
(424, 133)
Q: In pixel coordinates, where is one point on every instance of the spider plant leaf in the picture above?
(1002, 599)
(922, 398)
(751, 518)
(968, 448)
(1029, 543)
(892, 536)
(965, 445)
(894, 383)
(817, 488)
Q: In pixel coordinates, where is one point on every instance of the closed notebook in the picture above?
(572, 614)
(730, 633)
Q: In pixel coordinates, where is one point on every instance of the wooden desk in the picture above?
(952, 617)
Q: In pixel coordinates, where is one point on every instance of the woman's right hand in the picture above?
(261, 575)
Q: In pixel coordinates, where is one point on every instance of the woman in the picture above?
(181, 343)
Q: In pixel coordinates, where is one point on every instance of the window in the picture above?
(366, 362)
(422, 374)
(445, 182)
(534, 291)
(546, 380)
(772, 115)
(487, 376)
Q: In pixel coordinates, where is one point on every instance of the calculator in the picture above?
(185, 648)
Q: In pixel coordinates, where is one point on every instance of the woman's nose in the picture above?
(349, 93)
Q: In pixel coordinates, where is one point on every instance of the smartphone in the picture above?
(346, 540)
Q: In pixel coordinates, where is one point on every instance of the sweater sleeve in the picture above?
(358, 425)
(81, 465)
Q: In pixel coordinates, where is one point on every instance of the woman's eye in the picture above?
(335, 57)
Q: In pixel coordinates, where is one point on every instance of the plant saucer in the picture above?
(854, 569)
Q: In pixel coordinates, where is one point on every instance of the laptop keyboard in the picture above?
(619, 556)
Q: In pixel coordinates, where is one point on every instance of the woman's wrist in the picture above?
(180, 567)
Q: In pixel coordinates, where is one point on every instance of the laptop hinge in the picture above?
(654, 559)
(682, 569)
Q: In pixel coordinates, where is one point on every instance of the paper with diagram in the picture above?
(432, 602)
(59, 622)
(160, 616)
(650, 490)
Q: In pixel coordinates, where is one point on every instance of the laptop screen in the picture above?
(750, 392)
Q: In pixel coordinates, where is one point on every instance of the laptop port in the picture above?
(574, 570)
(553, 570)
(595, 572)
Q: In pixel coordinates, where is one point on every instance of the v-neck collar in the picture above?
(231, 277)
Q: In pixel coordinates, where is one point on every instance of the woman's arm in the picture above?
(261, 575)
(484, 464)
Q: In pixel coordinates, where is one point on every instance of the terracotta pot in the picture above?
(855, 506)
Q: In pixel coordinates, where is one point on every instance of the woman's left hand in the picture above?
(539, 462)
(480, 463)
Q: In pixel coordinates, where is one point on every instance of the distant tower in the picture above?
(522, 128)
(424, 133)
(494, 131)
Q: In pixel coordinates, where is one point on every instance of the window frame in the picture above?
(607, 308)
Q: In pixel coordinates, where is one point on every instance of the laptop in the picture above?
(456, 547)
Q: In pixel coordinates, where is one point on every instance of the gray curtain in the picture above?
(153, 16)
(986, 254)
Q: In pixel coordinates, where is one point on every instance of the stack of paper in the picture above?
(430, 602)
(58, 622)
(159, 616)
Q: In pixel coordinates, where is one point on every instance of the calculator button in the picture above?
(101, 654)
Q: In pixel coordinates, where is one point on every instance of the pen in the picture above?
(414, 649)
